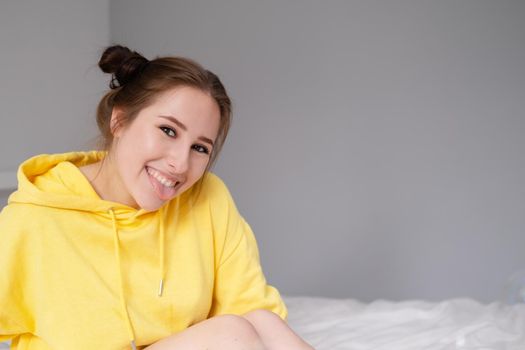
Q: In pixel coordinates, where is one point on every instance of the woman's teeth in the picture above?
(160, 178)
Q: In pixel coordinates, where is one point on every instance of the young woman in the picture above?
(138, 246)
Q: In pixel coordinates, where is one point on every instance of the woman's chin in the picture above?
(151, 205)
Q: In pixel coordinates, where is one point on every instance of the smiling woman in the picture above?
(139, 244)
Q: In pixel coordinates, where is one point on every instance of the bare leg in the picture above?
(226, 332)
(274, 332)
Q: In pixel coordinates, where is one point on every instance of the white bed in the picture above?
(337, 324)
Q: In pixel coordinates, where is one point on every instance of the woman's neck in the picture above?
(107, 183)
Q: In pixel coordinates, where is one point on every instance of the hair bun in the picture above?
(123, 63)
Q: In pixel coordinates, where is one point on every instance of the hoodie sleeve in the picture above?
(15, 318)
(240, 284)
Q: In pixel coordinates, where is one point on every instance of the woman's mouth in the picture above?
(158, 176)
(164, 188)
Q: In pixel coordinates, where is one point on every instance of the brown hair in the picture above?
(137, 81)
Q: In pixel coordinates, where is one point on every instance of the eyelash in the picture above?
(199, 148)
(167, 130)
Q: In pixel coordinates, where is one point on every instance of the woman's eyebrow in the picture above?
(183, 127)
(175, 121)
(207, 140)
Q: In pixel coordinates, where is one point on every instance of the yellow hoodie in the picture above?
(78, 272)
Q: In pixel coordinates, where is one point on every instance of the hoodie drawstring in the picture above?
(162, 268)
(161, 250)
(123, 305)
(162, 243)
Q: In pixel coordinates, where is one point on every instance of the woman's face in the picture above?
(166, 148)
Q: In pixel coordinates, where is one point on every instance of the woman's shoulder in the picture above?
(213, 183)
(15, 222)
(211, 193)
(17, 213)
(211, 189)
(19, 216)
(26, 219)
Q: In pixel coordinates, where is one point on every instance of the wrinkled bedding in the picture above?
(337, 324)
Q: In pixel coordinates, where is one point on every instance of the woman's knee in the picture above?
(236, 330)
(220, 332)
(261, 315)
(235, 324)
(274, 332)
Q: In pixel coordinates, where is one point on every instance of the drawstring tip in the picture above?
(161, 286)
(133, 346)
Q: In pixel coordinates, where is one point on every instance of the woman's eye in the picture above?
(168, 131)
(201, 149)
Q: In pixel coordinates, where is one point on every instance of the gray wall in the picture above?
(50, 82)
(377, 148)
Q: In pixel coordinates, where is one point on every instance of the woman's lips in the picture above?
(165, 188)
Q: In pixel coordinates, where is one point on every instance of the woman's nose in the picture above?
(178, 162)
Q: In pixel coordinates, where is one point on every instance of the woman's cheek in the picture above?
(198, 170)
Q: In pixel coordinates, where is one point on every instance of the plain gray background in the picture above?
(377, 148)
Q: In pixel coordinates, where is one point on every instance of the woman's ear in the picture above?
(116, 121)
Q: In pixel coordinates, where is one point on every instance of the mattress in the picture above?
(464, 324)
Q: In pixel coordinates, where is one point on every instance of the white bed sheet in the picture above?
(459, 324)
(337, 324)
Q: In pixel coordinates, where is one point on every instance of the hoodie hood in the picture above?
(54, 180)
